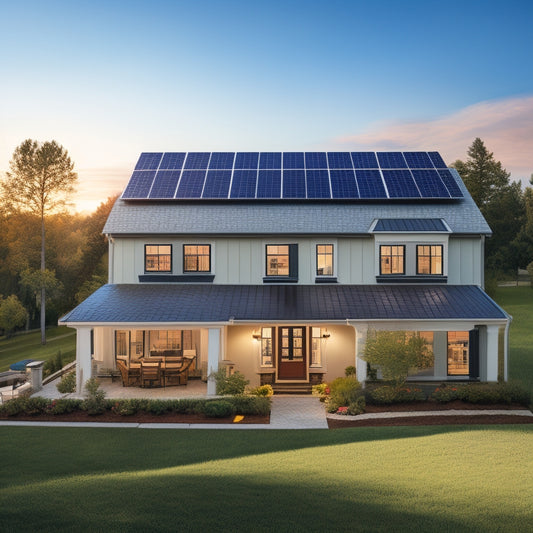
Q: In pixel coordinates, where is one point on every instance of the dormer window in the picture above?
(392, 259)
(429, 259)
(158, 258)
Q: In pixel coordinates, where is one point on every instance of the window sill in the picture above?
(325, 279)
(279, 279)
(186, 278)
(411, 279)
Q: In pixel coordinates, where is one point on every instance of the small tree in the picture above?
(12, 314)
(396, 353)
(40, 179)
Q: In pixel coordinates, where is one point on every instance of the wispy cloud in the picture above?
(505, 126)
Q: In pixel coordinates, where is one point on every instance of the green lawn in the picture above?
(518, 302)
(446, 478)
(28, 346)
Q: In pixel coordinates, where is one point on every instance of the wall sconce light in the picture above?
(326, 335)
(256, 336)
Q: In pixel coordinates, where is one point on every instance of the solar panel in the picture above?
(165, 184)
(429, 184)
(391, 160)
(293, 160)
(364, 160)
(191, 184)
(217, 184)
(316, 160)
(222, 160)
(370, 184)
(318, 184)
(294, 183)
(437, 160)
(418, 160)
(448, 180)
(139, 184)
(243, 184)
(343, 184)
(269, 184)
(172, 161)
(400, 184)
(269, 160)
(339, 160)
(246, 160)
(197, 160)
(291, 175)
(148, 161)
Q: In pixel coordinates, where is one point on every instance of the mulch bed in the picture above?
(141, 418)
(436, 419)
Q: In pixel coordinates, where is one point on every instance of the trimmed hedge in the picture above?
(242, 405)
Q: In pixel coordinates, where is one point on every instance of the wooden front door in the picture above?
(292, 357)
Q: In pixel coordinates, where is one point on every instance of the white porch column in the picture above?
(213, 355)
(360, 341)
(492, 353)
(83, 357)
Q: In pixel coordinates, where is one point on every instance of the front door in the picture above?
(292, 358)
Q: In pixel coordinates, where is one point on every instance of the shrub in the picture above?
(67, 383)
(229, 385)
(445, 394)
(388, 394)
(13, 407)
(250, 405)
(262, 390)
(125, 407)
(61, 406)
(342, 392)
(322, 390)
(185, 405)
(95, 402)
(219, 409)
(157, 407)
(350, 371)
(357, 407)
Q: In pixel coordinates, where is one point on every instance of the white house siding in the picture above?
(465, 261)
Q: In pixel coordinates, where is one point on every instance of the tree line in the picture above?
(507, 208)
(50, 257)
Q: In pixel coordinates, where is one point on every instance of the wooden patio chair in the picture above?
(178, 374)
(130, 376)
(151, 372)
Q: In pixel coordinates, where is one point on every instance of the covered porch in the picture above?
(294, 333)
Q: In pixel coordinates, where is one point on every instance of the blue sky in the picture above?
(111, 79)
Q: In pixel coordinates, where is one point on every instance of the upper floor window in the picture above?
(392, 259)
(324, 259)
(158, 258)
(282, 262)
(197, 258)
(429, 259)
(277, 260)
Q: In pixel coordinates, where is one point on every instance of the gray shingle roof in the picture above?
(462, 216)
(219, 303)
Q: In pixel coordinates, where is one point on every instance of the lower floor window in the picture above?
(458, 353)
(267, 356)
(316, 347)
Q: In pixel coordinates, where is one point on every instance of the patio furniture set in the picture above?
(156, 372)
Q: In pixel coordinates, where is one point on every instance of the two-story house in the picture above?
(279, 264)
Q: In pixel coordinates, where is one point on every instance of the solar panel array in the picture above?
(291, 175)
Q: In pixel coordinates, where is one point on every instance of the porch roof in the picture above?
(206, 303)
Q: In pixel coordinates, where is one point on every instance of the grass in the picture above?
(28, 346)
(518, 302)
(454, 478)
